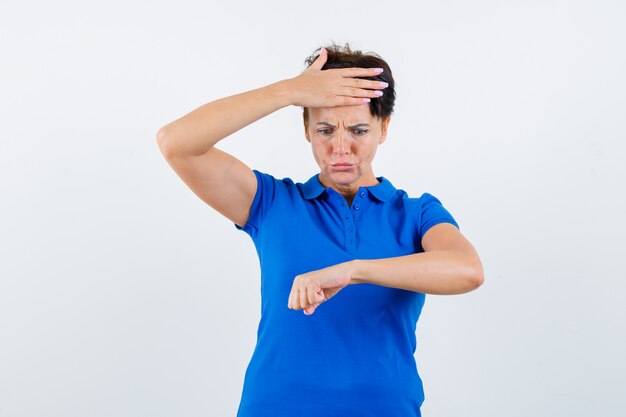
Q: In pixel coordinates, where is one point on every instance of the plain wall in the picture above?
(123, 294)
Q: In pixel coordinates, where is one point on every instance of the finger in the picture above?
(359, 92)
(364, 84)
(354, 97)
(309, 310)
(303, 298)
(290, 302)
(318, 297)
(320, 60)
(294, 298)
(359, 72)
(312, 295)
(349, 101)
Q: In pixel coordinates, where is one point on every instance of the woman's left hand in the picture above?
(313, 288)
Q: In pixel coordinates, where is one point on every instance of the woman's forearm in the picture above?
(198, 131)
(434, 272)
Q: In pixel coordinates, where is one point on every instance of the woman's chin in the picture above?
(344, 176)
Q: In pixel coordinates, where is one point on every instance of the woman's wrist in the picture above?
(281, 90)
(355, 271)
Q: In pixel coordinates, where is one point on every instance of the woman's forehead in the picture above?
(342, 115)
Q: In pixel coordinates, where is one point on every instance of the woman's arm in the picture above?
(220, 179)
(448, 265)
(437, 272)
(198, 131)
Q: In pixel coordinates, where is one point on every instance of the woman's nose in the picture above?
(340, 144)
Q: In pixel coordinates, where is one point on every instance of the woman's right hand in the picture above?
(333, 87)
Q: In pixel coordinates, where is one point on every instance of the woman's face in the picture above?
(345, 134)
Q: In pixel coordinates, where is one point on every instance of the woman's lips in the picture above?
(342, 166)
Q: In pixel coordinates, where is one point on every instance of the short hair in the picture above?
(344, 57)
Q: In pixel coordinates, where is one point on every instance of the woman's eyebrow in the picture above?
(332, 125)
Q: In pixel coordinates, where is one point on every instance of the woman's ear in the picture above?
(383, 129)
(306, 125)
(306, 133)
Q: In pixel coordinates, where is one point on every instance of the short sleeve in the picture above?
(263, 199)
(433, 212)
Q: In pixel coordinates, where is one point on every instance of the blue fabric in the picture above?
(354, 356)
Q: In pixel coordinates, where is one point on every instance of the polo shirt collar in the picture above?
(383, 191)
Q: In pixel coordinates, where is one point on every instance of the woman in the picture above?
(344, 226)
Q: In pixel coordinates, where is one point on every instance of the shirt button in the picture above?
(362, 194)
(347, 217)
(349, 229)
(350, 241)
(356, 206)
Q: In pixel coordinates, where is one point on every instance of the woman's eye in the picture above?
(357, 132)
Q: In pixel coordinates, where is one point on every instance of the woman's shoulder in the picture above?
(273, 178)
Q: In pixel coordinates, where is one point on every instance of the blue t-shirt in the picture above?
(354, 356)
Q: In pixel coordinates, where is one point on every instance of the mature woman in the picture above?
(352, 351)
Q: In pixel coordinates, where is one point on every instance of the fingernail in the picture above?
(378, 69)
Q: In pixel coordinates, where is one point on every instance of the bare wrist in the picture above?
(355, 271)
(282, 91)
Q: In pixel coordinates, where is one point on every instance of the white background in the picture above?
(123, 294)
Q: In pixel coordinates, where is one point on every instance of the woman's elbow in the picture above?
(476, 280)
(471, 278)
(162, 136)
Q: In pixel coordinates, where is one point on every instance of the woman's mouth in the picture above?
(342, 166)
